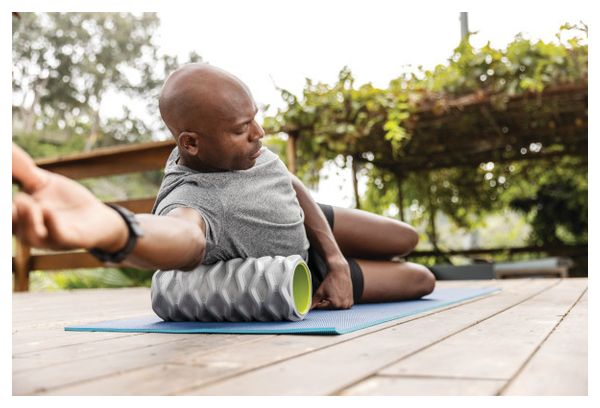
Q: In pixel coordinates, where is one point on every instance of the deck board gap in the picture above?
(439, 377)
(340, 390)
(539, 346)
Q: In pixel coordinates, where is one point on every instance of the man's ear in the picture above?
(188, 141)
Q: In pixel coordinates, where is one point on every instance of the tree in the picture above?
(66, 63)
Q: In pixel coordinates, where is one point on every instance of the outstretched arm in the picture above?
(58, 213)
(336, 290)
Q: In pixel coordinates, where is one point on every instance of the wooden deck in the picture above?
(529, 339)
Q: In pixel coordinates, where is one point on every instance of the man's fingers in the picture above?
(30, 220)
(15, 217)
(320, 302)
(25, 171)
(326, 303)
(317, 299)
(315, 302)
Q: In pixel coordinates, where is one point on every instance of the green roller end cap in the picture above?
(302, 288)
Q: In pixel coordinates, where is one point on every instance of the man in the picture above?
(224, 196)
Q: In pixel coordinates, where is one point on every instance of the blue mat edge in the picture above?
(321, 330)
(484, 292)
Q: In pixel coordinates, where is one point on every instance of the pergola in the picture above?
(483, 127)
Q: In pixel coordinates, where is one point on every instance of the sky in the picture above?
(377, 42)
(281, 45)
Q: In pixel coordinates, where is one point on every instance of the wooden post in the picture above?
(291, 153)
(355, 182)
(400, 202)
(22, 267)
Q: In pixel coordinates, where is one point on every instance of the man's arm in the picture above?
(336, 289)
(58, 213)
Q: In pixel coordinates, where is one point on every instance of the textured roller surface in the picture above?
(239, 290)
(316, 321)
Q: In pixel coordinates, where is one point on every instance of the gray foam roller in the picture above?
(263, 289)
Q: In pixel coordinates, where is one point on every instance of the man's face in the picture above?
(232, 136)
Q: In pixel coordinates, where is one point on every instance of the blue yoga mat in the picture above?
(316, 321)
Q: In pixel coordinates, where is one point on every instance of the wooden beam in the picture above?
(475, 158)
(110, 161)
(484, 97)
(291, 152)
(138, 206)
(22, 266)
(562, 249)
(65, 260)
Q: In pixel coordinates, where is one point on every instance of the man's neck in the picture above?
(197, 165)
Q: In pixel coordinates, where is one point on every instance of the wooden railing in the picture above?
(152, 156)
(99, 163)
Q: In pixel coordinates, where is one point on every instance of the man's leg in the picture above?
(361, 234)
(372, 240)
(385, 281)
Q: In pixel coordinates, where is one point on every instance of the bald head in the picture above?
(197, 97)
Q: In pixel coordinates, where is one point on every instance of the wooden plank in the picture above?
(560, 366)
(497, 347)
(110, 161)
(40, 323)
(83, 373)
(149, 381)
(401, 385)
(99, 312)
(33, 301)
(80, 306)
(62, 298)
(272, 357)
(90, 350)
(35, 338)
(48, 339)
(334, 368)
(57, 378)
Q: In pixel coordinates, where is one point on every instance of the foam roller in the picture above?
(263, 289)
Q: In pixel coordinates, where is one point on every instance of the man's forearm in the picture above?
(318, 230)
(168, 243)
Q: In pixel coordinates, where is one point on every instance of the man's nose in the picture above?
(258, 132)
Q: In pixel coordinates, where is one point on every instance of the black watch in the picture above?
(135, 231)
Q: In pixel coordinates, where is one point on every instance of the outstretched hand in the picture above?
(58, 213)
(335, 292)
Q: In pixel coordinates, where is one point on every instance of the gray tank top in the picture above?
(248, 213)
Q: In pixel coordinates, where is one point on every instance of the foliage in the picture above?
(64, 65)
(90, 278)
(380, 127)
(558, 210)
(523, 66)
(332, 119)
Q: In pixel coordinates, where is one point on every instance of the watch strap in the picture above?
(134, 230)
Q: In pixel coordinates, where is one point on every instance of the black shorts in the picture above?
(318, 267)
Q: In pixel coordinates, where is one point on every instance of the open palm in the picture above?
(56, 212)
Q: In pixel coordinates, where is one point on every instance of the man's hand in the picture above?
(58, 213)
(335, 291)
